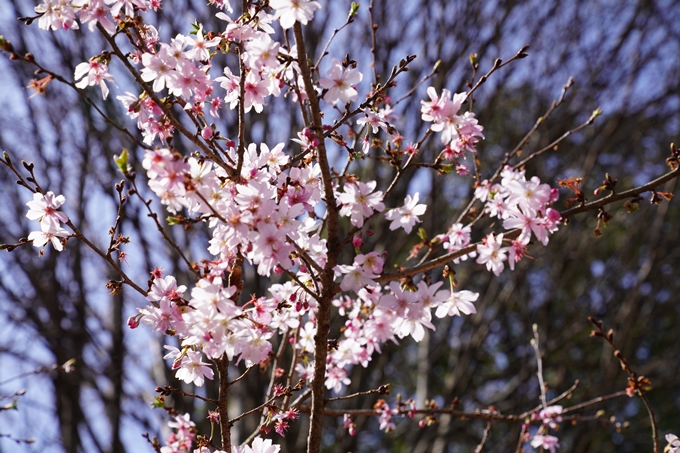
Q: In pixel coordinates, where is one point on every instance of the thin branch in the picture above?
(539, 365)
(382, 390)
(256, 409)
(324, 52)
(599, 399)
(613, 197)
(154, 216)
(484, 437)
(498, 64)
(245, 373)
(561, 138)
(425, 78)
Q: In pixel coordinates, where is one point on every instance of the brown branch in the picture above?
(484, 437)
(613, 197)
(382, 390)
(498, 64)
(636, 382)
(328, 274)
(223, 402)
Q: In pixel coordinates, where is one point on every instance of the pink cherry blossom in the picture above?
(492, 253)
(458, 302)
(50, 232)
(93, 72)
(56, 15)
(44, 208)
(673, 444)
(193, 369)
(551, 415)
(340, 83)
(158, 68)
(261, 52)
(200, 50)
(290, 11)
(375, 120)
(94, 12)
(545, 441)
(407, 216)
(360, 201)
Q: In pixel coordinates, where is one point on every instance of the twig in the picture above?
(374, 44)
(539, 365)
(255, 409)
(382, 390)
(484, 437)
(599, 399)
(410, 92)
(243, 375)
(324, 52)
(167, 390)
(498, 64)
(154, 216)
(561, 138)
(635, 382)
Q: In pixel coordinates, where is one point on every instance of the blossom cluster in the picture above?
(550, 417)
(184, 434)
(44, 209)
(521, 204)
(459, 133)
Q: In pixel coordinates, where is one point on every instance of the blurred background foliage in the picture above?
(622, 56)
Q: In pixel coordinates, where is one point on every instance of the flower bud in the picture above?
(133, 322)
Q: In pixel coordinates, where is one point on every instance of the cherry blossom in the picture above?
(56, 15)
(458, 302)
(406, 216)
(551, 415)
(545, 441)
(49, 233)
(360, 201)
(193, 369)
(375, 120)
(673, 444)
(201, 46)
(340, 83)
(93, 73)
(158, 68)
(95, 12)
(290, 11)
(492, 253)
(44, 208)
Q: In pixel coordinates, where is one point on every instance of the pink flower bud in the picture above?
(207, 132)
(278, 269)
(357, 241)
(553, 215)
(133, 322)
